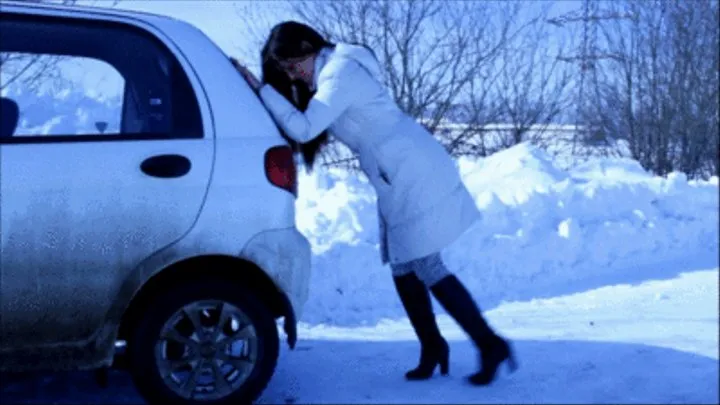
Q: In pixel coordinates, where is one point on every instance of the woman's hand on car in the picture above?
(253, 81)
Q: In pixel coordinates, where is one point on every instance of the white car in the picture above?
(146, 198)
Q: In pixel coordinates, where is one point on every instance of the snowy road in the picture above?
(652, 342)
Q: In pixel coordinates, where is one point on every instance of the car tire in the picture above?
(146, 348)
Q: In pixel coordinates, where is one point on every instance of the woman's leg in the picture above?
(418, 306)
(459, 304)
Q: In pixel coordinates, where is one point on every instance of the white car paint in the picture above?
(108, 228)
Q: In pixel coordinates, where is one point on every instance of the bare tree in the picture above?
(257, 18)
(661, 94)
(436, 55)
(533, 83)
(31, 70)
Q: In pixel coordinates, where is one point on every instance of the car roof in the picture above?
(26, 7)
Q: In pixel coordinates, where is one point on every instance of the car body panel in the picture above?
(225, 206)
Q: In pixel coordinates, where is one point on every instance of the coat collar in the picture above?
(320, 61)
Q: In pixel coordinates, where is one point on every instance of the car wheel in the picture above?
(209, 342)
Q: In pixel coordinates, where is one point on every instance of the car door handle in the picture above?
(166, 166)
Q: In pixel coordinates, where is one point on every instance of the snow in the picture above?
(604, 276)
(71, 101)
(64, 113)
(654, 341)
(543, 230)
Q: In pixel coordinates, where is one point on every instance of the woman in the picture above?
(422, 201)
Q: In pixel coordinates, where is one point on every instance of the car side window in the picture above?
(72, 95)
(67, 79)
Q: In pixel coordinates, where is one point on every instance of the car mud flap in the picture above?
(290, 328)
(102, 376)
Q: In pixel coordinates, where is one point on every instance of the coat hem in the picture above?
(462, 214)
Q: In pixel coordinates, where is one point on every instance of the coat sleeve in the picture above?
(334, 95)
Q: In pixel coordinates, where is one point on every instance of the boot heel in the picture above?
(424, 371)
(445, 364)
(512, 364)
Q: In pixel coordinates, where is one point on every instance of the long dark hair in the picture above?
(288, 40)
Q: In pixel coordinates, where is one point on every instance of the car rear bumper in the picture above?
(285, 255)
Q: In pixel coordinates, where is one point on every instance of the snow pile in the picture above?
(542, 229)
(64, 113)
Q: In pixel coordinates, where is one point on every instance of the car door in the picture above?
(108, 163)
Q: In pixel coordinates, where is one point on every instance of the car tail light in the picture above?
(280, 168)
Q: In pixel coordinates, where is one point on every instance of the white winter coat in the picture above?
(423, 204)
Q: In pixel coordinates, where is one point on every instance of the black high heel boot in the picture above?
(418, 306)
(431, 357)
(492, 355)
(494, 350)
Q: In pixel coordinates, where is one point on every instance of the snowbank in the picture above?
(543, 228)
